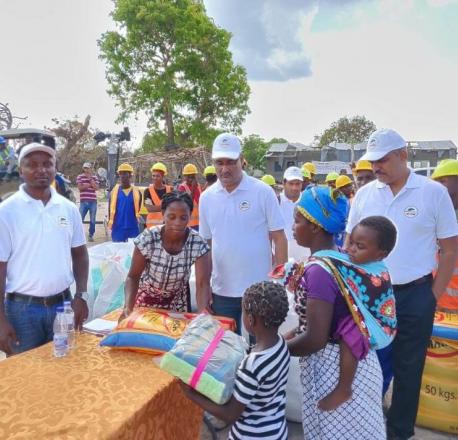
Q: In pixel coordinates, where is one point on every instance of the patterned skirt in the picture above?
(176, 301)
(359, 418)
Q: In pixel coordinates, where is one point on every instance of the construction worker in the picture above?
(154, 194)
(268, 179)
(8, 161)
(124, 206)
(192, 187)
(446, 173)
(210, 177)
(345, 185)
(363, 173)
(331, 179)
(306, 178)
(311, 168)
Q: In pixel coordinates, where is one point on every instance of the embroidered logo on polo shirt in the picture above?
(244, 206)
(62, 221)
(411, 212)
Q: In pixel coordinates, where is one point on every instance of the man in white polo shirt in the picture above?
(293, 179)
(237, 214)
(423, 214)
(42, 249)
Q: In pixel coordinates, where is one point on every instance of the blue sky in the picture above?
(308, 62)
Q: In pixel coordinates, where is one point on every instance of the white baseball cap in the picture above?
(226, 146)
(381, 142)
(34, 147)
(87, 165)
(293, 173)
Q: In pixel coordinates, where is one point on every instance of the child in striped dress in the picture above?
(257, 405)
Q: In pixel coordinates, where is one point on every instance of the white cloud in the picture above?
(381, 70)
(441, 3)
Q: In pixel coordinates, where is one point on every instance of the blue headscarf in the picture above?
(324, 207)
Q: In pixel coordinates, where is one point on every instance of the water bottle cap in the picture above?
(60, 309)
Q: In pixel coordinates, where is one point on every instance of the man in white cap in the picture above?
(237, 213)
(88, 184)
(293, 179)
(423, 214)
(42, 250)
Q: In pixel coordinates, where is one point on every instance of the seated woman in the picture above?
(323, 300)
(162, 260)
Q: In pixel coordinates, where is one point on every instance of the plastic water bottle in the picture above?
(70, 316)
(60, 333)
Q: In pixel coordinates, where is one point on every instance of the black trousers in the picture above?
(415, 306)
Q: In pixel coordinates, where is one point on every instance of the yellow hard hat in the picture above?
(331, 177)
(310, 167)
(189, 169)
(306, 173)
(268, 179)
(159, 166)
(209, 170)
(363, 165)
(342, 181)
(125, 167)
(448, 167)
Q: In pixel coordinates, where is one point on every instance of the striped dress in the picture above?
(260, 384)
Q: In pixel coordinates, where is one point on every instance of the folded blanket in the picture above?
(207, 357)
(207, 385)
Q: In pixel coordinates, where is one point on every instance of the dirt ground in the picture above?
(295, 429)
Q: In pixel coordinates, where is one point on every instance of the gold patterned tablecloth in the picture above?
(94, 393)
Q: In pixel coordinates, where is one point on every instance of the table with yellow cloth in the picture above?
(93, 393)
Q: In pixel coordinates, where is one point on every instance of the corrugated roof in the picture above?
(277, 148)
(422, 145)
(344, 146)
(281, 148)
(432, 145)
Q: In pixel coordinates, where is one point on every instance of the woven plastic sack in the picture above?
(153, 331)
(438, 407)
(109, 264)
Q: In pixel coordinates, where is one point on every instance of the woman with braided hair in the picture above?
(162, 260)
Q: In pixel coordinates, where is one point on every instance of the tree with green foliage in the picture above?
(278, 141)
(346, 130)
(169, 60)
(255, 149)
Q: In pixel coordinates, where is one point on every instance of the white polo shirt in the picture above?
(295, 251)
(36, 242)
(238, 223)
(422, 212)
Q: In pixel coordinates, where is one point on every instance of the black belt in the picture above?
(416, 282)
(43, 300)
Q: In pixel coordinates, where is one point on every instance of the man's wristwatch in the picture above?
(81, 295)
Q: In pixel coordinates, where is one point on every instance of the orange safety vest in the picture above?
(194, 220)
(449, 299)
(114, 199)
(155, 218)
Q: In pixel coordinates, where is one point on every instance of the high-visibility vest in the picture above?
(155, 218)
(114, 199)
(449, 299)
(194, 220)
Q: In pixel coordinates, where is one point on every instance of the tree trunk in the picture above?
(169, 122)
